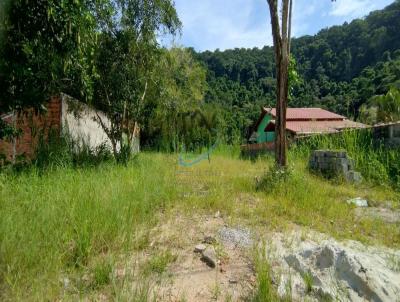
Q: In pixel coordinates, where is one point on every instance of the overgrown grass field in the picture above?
(66, 222)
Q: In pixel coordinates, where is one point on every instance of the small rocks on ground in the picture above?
(209, 240)
(209, 256)
(66, 282)
(200, 248)
(236, 236)
(358, 201)
(384, 214)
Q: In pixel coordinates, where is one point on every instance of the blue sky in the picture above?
(223, 24)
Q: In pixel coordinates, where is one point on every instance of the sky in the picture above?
(225, 24)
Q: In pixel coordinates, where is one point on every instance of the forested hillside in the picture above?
(341, 68)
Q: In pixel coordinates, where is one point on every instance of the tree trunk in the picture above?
(282, 48)
(281, 105)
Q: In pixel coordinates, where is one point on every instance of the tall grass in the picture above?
(57, 222)
(57, 151)
(68, 221)
(376, 162)
(265, 290)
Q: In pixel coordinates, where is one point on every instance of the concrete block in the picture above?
(351, 164)
(354, 176)
(341, 154)
(341, 161)
(319, 153)
(330, 154)
(334, 163)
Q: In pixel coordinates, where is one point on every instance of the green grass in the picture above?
(102, 273)
(265, 290)
(68, 222)
(377, 163)
(60, 221)
(159, 263)
(308, 281)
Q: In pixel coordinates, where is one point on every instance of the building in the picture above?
(63, 114)
(300, 122)
(388, 134)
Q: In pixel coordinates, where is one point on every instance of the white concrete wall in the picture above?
(80, 120)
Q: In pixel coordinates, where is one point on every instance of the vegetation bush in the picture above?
(274, 178)
(377, 163)
(341, 68)
(62, 223)
(58, 223)
(57, 151)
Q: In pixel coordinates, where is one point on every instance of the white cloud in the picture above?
(353, 8)
(223, 24)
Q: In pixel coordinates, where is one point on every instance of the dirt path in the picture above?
(305, 265)
(190, 278)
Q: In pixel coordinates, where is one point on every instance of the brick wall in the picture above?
(32, 125)
(257, 149)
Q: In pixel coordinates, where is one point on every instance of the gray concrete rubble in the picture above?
(346, 271)
(358, 201)
(333, 164)
(240, 237)
(209, 256)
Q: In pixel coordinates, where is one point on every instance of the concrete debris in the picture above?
(384, 214)
(199, 248)
(346, 274)
(209, 256)
(334, 163)
(236, 236)
(358, 201)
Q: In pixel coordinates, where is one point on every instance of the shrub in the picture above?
(274, 177)
(377, 163)
(64, 151)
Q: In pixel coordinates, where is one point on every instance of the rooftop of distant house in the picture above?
(306, 114)
(303, 121)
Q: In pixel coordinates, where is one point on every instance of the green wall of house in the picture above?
(262, 136)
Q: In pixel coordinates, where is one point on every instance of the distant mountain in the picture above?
(341, 68)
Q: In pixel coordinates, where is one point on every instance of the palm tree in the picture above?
(387, 106)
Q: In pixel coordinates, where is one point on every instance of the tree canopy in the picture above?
(126, 63)
(46, 46)
(106, 53)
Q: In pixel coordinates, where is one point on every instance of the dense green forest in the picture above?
(107, 54)
(341, 68)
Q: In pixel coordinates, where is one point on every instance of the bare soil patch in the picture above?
(190, 278)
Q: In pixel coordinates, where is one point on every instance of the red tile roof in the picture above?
(307, 114)
(314, 127)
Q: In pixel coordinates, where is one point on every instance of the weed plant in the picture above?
(377, 162)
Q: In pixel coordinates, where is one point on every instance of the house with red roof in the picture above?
(300, 122)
